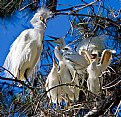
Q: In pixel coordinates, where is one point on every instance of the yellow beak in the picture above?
(54, 62)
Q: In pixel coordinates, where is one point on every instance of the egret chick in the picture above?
(59, 41)
(76, 63)
(66, 77)
(26, 49)
(65, 73)
(53, 80)
(95, 70)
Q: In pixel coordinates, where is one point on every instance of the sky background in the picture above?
(10, 28)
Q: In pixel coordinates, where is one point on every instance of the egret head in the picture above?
(58, 53)
(66, 48)
(40, 18)
(58, 47)
(58, 41)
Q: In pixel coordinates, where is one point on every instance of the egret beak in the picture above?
(93, 56)
(54, 62)
(44, 23)
(108, 55)
(86, 56)
(113, 51)
(56, 40)
(49, 18)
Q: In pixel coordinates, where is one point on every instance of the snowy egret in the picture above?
(64, 71)
(53, 80)
(95, 70)
(26, 49)
(66, 76)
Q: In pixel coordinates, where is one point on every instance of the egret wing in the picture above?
(21, 37)
(86, 56)
(94, 43)
(29, 58)
(105, 59)
(76, 59)
(8, 64)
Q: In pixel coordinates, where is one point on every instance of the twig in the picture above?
(108, 87)
(87, 5)
(85, 15)
(28, 5)
(117, 110)
(7, 71)
(19, 81)
(107, 102)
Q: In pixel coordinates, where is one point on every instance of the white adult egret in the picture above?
(66, 77)
(26, 49)
(92, 44)
(95, 70)
(53, 80)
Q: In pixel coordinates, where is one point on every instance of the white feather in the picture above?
(66, 76)
(90, 44)
(95, 70)
(53, 80)
(26, 49)
(74, 60)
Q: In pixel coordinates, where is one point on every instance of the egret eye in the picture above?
(66, 49)
(41, 18)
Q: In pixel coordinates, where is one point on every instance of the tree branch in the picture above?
(85, 15)
(107, 103)
(19, 81)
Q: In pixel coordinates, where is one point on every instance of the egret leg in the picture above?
(19, 84)
(57, 101)
(25, 76)
(74, 76)
(83, 79)
(67, 101)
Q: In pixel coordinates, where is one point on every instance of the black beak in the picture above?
(55, 38)
(44, 22)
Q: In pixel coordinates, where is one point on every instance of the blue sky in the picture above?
(11, 28)
(10, 31)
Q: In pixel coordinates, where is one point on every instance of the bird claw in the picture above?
(73, 82)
